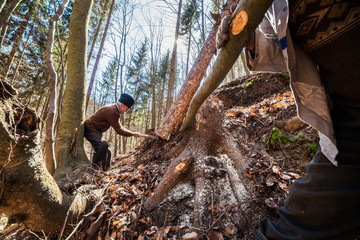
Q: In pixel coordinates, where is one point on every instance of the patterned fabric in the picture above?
(329, 31)
(314, 23)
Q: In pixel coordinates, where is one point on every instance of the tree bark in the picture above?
(173, 61)
(22, 54)
(153, 95)
(243, 61)
(228, 54)
(2, 4)
(204, 142)
(73, 112)
(97, 33)
(5, 18)
(49, 125)
(15, 47)
(99, 54)
(188, 52)
(30, 194)
(173, 118)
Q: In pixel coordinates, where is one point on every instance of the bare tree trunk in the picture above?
(73, 112)
(15, 47)
(188, 52)
(99, 54)
(153, 96)
(49, 126)
(243, 61)
(5, 18)
(61, 87)
(202, 21)
(161, 100)
(22, 54)
(97, 32)
(2, 4)
(255, 10)
(30, 194)
(173, 61)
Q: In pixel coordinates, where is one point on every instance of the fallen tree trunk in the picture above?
(254, 12)
(177, 111)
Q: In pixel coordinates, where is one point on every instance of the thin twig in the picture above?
(66, 217)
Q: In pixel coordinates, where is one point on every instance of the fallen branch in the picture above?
(95, 227)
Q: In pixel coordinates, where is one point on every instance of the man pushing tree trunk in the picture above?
(100, 121)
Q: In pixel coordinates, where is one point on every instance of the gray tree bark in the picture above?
(73, 112)
(29, 194)
(5, 18)
(49, 125)
(173, 61)
(99, 54)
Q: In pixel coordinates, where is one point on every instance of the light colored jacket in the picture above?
(275, 52)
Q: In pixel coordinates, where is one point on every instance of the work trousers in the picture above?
(102, 155)
(324, 204)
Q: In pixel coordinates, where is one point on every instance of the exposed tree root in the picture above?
(25, 176)
(209, 153)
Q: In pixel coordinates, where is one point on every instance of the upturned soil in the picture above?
(260, 115)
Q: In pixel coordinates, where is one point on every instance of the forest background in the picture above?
(132, 47)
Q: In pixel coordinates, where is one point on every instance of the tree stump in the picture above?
(209, 156)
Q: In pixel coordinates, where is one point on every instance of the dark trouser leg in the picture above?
(106, 163)
(324, 204)
(102, 154)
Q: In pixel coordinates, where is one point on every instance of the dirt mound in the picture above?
(214, 199)
(260, 117)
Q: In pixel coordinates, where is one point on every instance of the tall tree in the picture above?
(73, 112)
(29, 193)
(173, 60)
(99, 54)
(2, 4)
(5, 18)
(97, 31)
(137, 79)
(49, 128)
(163, 73)
(189, 16)
(17, 39)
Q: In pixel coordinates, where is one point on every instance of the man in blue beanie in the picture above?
(101, 121)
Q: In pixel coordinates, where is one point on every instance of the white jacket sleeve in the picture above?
(268, 53)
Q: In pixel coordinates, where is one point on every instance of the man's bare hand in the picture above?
(136, 134)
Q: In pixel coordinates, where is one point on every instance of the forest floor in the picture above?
(260, 115)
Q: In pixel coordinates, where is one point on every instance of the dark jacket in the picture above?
(105, 117)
